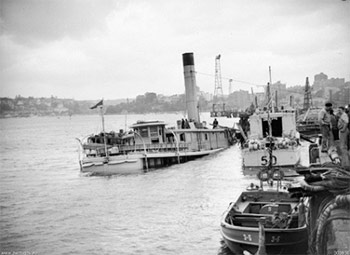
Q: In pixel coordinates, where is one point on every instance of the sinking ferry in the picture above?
(151, 144)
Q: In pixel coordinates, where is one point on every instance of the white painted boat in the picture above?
(284, 140)
(143, 149)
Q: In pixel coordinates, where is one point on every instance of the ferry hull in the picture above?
(131, 164)
(138, 163)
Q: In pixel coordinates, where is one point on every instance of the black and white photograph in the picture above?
(175, 127)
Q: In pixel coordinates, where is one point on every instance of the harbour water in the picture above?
(49, 207)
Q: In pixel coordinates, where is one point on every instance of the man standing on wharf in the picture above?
(343, 135)
(324, 118)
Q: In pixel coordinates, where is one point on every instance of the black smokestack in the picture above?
(187, 59)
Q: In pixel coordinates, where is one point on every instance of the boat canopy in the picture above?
(147, 124)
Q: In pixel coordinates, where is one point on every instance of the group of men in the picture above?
(335, 129)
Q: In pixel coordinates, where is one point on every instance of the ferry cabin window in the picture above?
(276, 126)
(170, 138)
(154, 131)
(144, 132)
(206, 136)
(155, 140)
(182, 137)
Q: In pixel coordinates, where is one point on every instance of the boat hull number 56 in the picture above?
(265, 160)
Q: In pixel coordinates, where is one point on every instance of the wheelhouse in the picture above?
(149, 132)
(282, 123)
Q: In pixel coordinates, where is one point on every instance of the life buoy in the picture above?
(263, 176)
(277, 174)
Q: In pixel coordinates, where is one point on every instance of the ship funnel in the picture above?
(191, 88)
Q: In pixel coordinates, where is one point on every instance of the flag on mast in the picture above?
(96, 105)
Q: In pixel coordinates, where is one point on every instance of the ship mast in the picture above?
(100, 106)
(103, 130)
(269, 99)
(269, 118)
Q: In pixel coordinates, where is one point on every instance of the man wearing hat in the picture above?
(324, 118)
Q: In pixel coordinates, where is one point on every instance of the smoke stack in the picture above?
(190, 86)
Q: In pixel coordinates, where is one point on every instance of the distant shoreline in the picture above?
(16, 115)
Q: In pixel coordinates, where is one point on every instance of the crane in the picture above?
(307, 95)
(218, 93)
(218, 99)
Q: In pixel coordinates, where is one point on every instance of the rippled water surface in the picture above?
(48, 207)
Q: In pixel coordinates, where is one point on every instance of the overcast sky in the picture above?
(91, 49)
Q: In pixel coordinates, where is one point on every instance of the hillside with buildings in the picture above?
(323, 89)
(53, 106)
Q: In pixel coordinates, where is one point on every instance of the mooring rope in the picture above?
(340, 201)
(335, 181)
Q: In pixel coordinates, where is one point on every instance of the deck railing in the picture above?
(161, 147)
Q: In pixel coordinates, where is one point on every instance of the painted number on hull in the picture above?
(275, 239)
(265, 160)
(247, 237)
